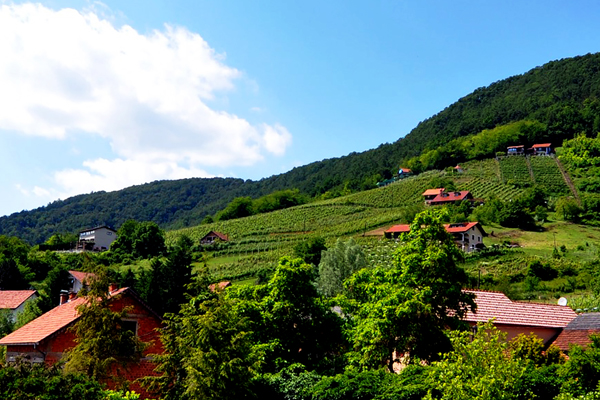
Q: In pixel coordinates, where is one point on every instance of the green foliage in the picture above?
(24, 381)
(581, 372)
(209, 352)
(568, 209)
(310, 250)
(6, 322)
(337, 264)
(138, 240)
(31, 311)
(238, 208)
(479, 367)
(406, 309)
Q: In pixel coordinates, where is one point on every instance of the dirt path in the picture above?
(568, 181)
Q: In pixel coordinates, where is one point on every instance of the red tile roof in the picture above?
(450, 196)
(399, 228)
(12, 299)
(220, 285)
(505, 311)
(461, 227)
(574, 337)
(578, 331)
(405, 171)
(81, 276)
(48, 324)
(535, 146)
(516, 147)
(433, 192)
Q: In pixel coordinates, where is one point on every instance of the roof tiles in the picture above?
(495, 305)
(12, 299)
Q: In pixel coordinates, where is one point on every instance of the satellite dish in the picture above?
(562, 301)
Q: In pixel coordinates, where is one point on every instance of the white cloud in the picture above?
(66, 72)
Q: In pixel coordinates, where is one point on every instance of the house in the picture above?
(431, 194)
(97, 239)
(213, 236)
(404, 172)
(458, 169)
(542, 149)
(450, 198)
(79, 280)
(14, 301)
(578, 331)
(467, 235)
(46, 338)
(395, 231)
(515, 150)
(547, 321)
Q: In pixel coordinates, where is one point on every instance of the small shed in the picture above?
(515, 150)
(541, 149)
(213, 236)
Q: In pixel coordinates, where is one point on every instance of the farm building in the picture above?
(431, 194)
(450, 198)
(468, 236)
(515, 150)
(542, 149)
(213, 236)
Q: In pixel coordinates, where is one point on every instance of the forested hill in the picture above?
(561, 95)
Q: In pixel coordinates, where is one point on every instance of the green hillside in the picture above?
(547, 104)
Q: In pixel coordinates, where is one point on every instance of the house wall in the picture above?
(512, 331)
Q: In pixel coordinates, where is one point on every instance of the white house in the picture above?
(98, 238)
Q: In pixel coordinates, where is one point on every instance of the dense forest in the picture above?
(554, 101)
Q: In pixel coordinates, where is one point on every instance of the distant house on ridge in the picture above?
(515, 150)
(542, 149)
(404, 172)
(97, 239)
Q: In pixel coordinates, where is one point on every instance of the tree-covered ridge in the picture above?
(558, 100)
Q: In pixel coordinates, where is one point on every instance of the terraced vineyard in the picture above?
(515, 171)
(547, 175)
(484, 189)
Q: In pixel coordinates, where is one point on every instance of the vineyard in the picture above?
(257, 242)
(515, 171)
(547, 175)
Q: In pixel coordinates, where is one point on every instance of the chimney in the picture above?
(72, 295)
(64, 297)
(113, 287)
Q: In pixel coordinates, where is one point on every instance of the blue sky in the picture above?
(101, 96)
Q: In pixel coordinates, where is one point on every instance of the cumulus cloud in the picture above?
(66, 72)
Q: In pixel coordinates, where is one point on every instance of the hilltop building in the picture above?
(97, 239)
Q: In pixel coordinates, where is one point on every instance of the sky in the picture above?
(106, 95)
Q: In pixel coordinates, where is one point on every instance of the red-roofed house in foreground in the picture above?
(46, 338)
(547, 321)
(14, 301)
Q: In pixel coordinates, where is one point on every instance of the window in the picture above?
(129, 325)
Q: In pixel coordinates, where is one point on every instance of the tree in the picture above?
(337, 264)
(310, 250)
(406, 309)
(138, 240)
(568, 209)
(209, 352)
(104, 345)
(238, 208)
(479, 367)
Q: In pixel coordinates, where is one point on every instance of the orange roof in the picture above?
(82, 276)
(47, 324)
(516, 147)
(12, 299)
(398, 228)
(460, 227)
(505, 311)
(535, 146)
(405, 170)
(433, 192)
